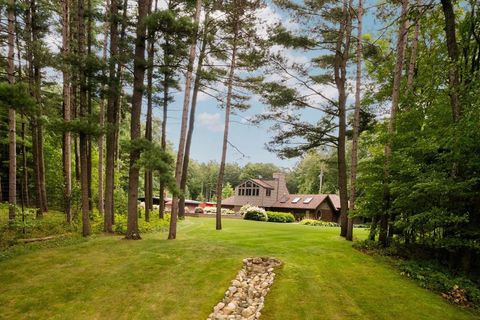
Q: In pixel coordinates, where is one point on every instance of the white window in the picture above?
(307, 200)
(295, 200)
(249, 189)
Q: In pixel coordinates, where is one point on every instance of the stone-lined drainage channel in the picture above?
(245, 297)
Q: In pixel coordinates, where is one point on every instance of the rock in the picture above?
(248, 312)
(245, 297)
(219, 306)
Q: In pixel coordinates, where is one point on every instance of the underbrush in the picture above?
(28, 226)
(455, 287)
(318, 223)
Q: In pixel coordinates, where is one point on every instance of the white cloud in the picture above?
(211, 121)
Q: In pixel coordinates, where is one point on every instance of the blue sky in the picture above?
(249, 139)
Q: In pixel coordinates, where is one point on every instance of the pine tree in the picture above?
(12, 131)
(138, 88)
(356, 118)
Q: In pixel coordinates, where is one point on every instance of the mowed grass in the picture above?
(323, 277)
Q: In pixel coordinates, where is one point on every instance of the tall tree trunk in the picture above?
(89, 103)
(138, 88)
(356, 119)
(67, 139)
(25, 196)
(34, 123)
(183, 129)
(397, 81)
(413, 53)
(112, 114)
(453, 54)
(341, 57)
(84, 181)
(101, 137)
(228, 107)
(191, 123)
(148, 186)
(161, 205)
(37, 88)
(12, 121)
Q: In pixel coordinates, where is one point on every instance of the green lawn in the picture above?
(109, 278)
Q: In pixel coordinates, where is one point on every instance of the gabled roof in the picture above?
(262, 183)
(302, 201)
(335, 200)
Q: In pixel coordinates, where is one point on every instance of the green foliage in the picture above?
(253, 213)
(280, 35)
(15, 96)
(280, 216)
(26, 225)
(227, 191)
(154, 225)
(434, 277)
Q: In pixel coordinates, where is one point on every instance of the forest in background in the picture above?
(399, 139)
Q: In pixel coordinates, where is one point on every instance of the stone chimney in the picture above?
(281, 187)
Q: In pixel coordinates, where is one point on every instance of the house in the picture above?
(272, 194)
(190, 205)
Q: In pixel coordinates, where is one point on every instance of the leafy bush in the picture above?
(227, 211)
(198, 210)
(210, 210)
(318, 223)
(280, 216)
(213, 210)
(253, 213)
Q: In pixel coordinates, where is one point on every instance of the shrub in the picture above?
(455, 288)
(227, 211)
(210, 210)
(253, 213)
(318, 223)
(213, 210)
(198, 210)
(280, 216)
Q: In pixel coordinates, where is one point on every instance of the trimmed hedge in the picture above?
(284, 217)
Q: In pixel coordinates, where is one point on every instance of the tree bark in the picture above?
(191, 123)
(341, 57)
(183, 129)
(413, 53)
(453, 55)
(112, 115)
(67, 138)
(34, 92)
(84, 181)
(161, 205)
(148, 186)
(228, 106)
(12, 122)
(356, 119)
(138, 88)
(397, 81)
(89, 103)
(101, 137)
